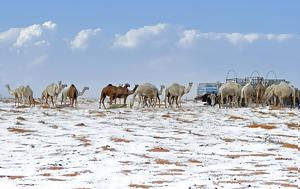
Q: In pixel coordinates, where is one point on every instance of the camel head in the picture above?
(162, 86)
(86, 88)
(187, 90)
(59, 82)
(126, 85)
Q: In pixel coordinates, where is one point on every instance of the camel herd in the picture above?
(230, 94)
(276, 94)
(147, 94)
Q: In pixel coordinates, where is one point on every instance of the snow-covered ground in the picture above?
(191, 147)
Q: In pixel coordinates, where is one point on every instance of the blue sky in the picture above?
(94, 43)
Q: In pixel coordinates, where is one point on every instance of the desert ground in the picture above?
(192, 147)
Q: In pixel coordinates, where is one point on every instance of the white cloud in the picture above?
(10, 34)
(49, 25)
(133, 37)
(42, 43)
(189, 36)
(82, 38)
(22, 36)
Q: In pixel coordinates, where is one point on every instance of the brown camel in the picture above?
(260, 91)
(72, 94)
(122, 92)
(111, 91)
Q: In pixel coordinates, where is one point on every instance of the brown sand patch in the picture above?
(53, 168)
(160, 181)
(166, 116)
(176, 170)
(282, 158)
(169, 174)
(162, 161)
(55, 179)
(158, 149)
(292, 146)
(45, 174)
(227, 139)
(126, 162)
(282, 184)
(184, 120)
(262, 126)
(248, 155)
(108, 148)
(120, 140)
(83, 139)
(274, 108)
(139, 186)
(19, 130)
(293, 125)
(194, 161)
(291, 114)
(126, 172)
(236, 118)
(178, 164)
(71, 174)
(12, 177)
(235, 181)
(142, 155)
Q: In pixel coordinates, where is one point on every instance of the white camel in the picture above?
(229, 89)
(17, 93)
(176, 91)
(149, 102)
(27, 94)
(268, 97)
(283, 91)
(64, 93)
(52, 91)
(247, 93)
(146, 90)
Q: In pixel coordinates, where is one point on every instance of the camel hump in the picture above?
(109, 85)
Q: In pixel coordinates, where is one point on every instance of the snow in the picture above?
(191, 147)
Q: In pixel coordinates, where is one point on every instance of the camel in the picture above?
(65, 91)
(111, 91)
(247, 93)
(17, 93)
(260, 91)
(283, 91)
(150, 101)
(229, 89)
(72, 94)
(268, 94)
(52, 91)
(145, 90)
(122, 92)
(27, 94)
(176, 91)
